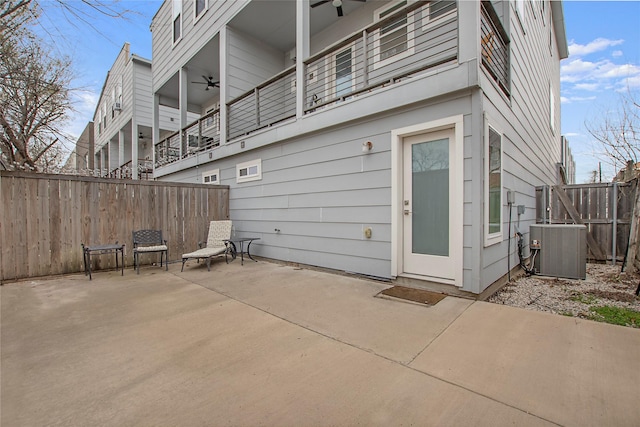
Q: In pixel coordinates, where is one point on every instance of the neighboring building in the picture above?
(567, 166)
(387, 141)
(81, 158)
(123, 119)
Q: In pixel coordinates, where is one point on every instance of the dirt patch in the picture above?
(605, 286)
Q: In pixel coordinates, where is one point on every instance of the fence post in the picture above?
(614, 202)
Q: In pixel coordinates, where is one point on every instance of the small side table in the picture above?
(242, 251)
(99, 250)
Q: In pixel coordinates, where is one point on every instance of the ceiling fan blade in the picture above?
(320, 2)
(200, 83)
(339, 9)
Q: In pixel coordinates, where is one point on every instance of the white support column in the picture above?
(302, 52)
(224, 79)
(155, 133)
(134, 149)
(182, 94)
(121, 148)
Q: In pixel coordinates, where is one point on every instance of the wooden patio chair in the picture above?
(146, 241)
(217, 243)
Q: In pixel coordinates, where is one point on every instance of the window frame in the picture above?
(428, 21)
(196, 16)
(377, 35)
(257, 176)
(208, 174)
(331, 85)
(491, 238)
(176, 15)
(552, 109)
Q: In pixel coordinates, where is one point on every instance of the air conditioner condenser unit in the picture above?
(562, 250)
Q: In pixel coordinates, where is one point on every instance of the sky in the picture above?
(604, 62)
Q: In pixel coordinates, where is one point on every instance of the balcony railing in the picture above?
(495, 46)
(200, 135)
(145, 170)
(421, 36)
(271, 102)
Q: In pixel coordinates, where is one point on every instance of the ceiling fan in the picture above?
(335, 3)
(209, 82)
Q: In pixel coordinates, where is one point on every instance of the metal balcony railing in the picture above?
(495, 46)
(406, 41)
(271, 102)
(145, 170)
(410, 40)
(200, 135)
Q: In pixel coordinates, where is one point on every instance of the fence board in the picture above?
(593, 205)
(45, 218)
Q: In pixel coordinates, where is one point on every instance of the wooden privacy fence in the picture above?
(45, 218)
(605, 208)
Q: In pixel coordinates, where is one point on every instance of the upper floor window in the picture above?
(199, 7)
(441, 7)
(394, 40)
(177, 20)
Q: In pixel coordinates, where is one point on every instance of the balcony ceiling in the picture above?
(274, 21)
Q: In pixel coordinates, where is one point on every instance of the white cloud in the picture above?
(598, 76)
(570, 99)
(616, 53)
(597, 45)
(587, 86)
(572, 134)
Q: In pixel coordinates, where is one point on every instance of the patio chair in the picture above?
(146, 241)
(219, 231)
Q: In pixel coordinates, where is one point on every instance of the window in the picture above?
(343, 72)
(177, 20)
(493, 186)
(249, 171)
(552, 109)
(520, 6)
(440, 8)
(211, 177)
(394, 39)
(199, 7)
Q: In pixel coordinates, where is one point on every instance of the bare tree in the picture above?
(617, 132)
(34, 100)
(35, 85)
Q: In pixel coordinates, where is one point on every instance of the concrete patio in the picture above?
(274, 345)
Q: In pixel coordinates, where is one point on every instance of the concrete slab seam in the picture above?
(370, 351)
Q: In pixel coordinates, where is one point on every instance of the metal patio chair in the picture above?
(146, 241)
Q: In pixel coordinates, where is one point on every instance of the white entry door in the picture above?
(428, 202)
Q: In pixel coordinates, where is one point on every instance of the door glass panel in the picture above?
(430, 198)
(343, 72)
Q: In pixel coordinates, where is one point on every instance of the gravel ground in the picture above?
(605, 285)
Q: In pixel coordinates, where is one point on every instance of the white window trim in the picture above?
(427, 22)
(331, 86)
(492, 238)
(209, 174)
(552, 109)
(520, 12)
(177, 12)
(377, 63)
(246, 165)
(196, 18)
